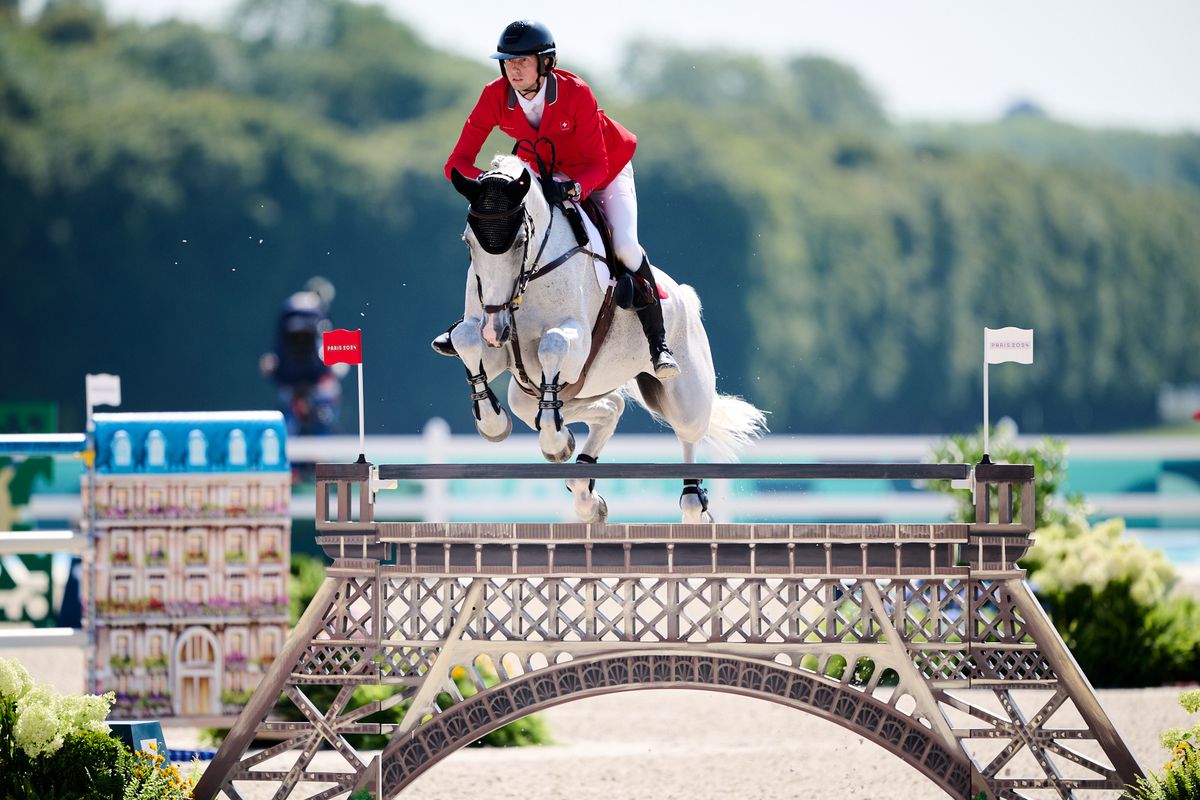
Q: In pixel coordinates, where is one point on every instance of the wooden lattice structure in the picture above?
(921, 638)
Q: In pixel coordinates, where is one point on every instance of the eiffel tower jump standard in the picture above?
(923, 638)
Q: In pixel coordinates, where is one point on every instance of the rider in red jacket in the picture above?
(533, 100)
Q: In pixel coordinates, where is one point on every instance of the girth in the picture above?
(599, 333)
(604, 319)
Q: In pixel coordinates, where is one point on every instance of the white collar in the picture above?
(538, 101)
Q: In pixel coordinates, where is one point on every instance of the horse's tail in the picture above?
(734, 424)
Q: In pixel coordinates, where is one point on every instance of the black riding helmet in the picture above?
(526, 37)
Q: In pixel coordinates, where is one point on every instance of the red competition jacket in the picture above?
(590, 147)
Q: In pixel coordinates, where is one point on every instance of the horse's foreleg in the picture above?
(491, 420)
(693, 502)
(561, 354)
(601, 417)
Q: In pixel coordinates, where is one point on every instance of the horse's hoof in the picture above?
(566, 452)
(502, 435)
(601, 515)
(693, 510)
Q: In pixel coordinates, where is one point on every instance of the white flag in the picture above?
(103, 390)
(1008, 344)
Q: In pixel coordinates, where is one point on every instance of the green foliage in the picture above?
(307, 573)
(832, 94)
(1047, 455)
(1180, 778)
(90, 765)
(848, 264)
(57, 747)
(1148, 160)
(1107, 594)
(527, 731)
(524, 732)
(149, 777)
(1109, 597)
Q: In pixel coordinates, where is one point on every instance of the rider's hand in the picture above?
(561, 191)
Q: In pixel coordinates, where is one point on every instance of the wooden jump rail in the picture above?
(994, 545)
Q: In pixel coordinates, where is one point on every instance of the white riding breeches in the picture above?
(618, 200)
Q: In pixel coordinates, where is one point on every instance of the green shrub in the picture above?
(88, 765)
(1109, 597)
(307, 574)
(148, 776)
(1048, 457)
(1107, 594)
(57, 747)
(1180, 779)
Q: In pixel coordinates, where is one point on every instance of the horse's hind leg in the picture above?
(693, 502)
(686, 403)
(601, 416)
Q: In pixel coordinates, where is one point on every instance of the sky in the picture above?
(1104, 63)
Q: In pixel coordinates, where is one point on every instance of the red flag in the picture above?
(342, 347)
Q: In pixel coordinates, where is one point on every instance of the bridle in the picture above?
(530, 271)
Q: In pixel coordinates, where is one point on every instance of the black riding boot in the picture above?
(651, 318)
(442, 344)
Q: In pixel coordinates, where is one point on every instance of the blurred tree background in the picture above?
(164, 187)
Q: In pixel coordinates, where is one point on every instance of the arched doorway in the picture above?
(197, 673)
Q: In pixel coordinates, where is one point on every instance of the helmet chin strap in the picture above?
(537, 87)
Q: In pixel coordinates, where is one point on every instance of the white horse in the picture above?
(532, 300)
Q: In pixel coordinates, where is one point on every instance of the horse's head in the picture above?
(500, 221)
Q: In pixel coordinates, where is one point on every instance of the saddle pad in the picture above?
(596, 244)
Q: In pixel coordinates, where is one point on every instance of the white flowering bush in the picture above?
(1108, 595)
(41, 718)
(57, 747)
(1110, 599)
(35, 723)
(1071, 555)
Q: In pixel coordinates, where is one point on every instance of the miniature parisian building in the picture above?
(193, 541)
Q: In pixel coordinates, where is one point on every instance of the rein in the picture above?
(533, 272)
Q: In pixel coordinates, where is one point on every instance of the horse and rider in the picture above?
(535, 101)
(308, 392)
(575, 357)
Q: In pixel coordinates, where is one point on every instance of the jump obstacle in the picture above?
(916, 637)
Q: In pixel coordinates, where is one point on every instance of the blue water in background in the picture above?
(1123, 475)
(1182, 547)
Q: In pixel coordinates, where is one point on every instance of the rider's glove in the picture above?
(561, 191)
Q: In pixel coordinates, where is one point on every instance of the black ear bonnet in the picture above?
(494, 216)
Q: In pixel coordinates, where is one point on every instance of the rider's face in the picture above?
(522, 73)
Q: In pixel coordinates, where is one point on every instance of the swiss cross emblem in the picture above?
(564, 124)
